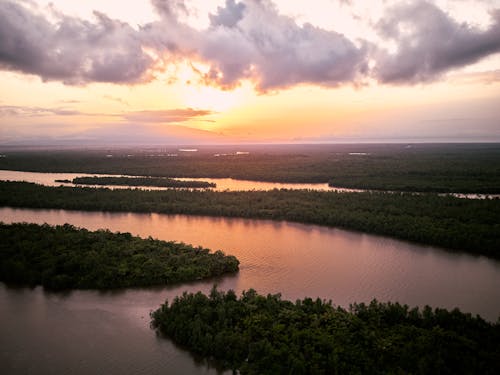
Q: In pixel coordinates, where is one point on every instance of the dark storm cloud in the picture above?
(429, 42)
(70, 50)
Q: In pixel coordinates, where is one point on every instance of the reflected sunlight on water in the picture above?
(81, 331)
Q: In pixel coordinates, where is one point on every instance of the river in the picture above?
(83, 332)
(222, 184)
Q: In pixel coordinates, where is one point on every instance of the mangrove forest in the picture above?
(471, 225)
(142, 181)
(460, 168)
(257, 334)
(64, 257)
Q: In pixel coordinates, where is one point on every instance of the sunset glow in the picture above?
(250, 71)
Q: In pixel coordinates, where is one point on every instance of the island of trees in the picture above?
(471, 225)
(140, 181)
(257, 334)
(62, 257)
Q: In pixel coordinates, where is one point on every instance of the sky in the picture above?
(252, 71)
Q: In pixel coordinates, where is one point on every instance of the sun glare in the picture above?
(214, 99)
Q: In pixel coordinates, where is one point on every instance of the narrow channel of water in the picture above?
(222, 184)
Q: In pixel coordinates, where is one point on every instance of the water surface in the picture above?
(222, 184)
(90, 331)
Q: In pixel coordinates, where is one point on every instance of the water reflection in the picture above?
(85, 333)
(88, 331)
(306, 260)
(222, 184)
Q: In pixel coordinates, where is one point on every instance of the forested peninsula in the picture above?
(445, 168)
(142, 181)
(64, 257)
(267, 335)
(456, 224)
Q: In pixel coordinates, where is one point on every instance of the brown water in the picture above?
(95, 332)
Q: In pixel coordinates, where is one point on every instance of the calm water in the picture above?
(222, 184)
(94, 332)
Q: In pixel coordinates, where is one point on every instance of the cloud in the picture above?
(117, 135)
(429, 43)
(170, 8)
(70, 101)
(132, 133)
(486, 77)
(116, 99)
(70, 50)
(27, 111)
(138, 117)
(254, 41)
(246, 40)
(166, 116)
(229, 15)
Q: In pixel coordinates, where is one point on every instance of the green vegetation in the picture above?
(267, 335)
(141, 181)
(453, 223)
(64, 257)
(465, 168)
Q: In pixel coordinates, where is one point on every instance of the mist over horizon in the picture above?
(248, 71)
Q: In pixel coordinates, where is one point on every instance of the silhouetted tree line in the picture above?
(465, 168)
(141, 181)
(452, 223)
(257, 334)
(64, 257)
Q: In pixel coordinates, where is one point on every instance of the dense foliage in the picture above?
(462, 224)
(142, 181)
(68, 257)
(466, 168)
(268, 335)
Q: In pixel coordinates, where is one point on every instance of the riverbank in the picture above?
(256, 334)
(140, 181)
(307, 260)
(66, 257)
(445, 168)
(452, 223)
(294, 259)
